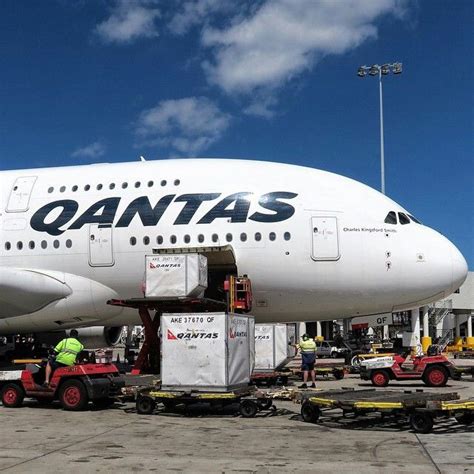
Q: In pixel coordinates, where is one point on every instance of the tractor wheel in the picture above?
(421, 422)
(379, 378)
(310, 413)
(338, 374)
(355, 361)
(145, 405)
(248, 408)
(73, 395)
(12, 395)
(465, 418)
(435, 376)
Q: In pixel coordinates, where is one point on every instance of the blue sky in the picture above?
(105, 81)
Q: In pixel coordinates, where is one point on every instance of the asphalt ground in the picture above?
(37, 438)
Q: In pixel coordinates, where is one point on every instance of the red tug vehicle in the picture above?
(73, 386)
(433, 370)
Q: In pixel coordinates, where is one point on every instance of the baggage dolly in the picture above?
(337, 372)
(419, 406)
(250, 401)
(422, 419)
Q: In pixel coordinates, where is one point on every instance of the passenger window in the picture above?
(137, 184)
(44, 244)
(215, 237)
(124, 185)
(391, 218)
(146, 240)
(176, 182)
(258, 236)
(163, 183)
(187, 239)
(173, 239)
(228, 237)
(111, 185)
(99, 187)
(56, 244)
(8, 245)
(133, 241)
(62, 189)
(243, 237)
(403, 218)
(68, 243)
(150, 184)
(19, 245)
(50, 190)
(272, 236)
(31, 244)
(159, 240)
(87, 187)
(287, 236)
(200, 238)
(74, 188)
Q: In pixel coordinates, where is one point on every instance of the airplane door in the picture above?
(325, 241)
(100, 245)
(20, 194)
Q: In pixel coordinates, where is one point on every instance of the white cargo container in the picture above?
(175, 276)
(273, 349)
(207, 351)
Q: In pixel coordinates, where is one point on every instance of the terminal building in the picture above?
(451, 317)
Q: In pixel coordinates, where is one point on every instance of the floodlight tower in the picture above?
(384, 70)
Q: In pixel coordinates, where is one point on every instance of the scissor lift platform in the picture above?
(420, 407)
(250, 401)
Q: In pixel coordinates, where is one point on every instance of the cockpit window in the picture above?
(403, 218)
(391, 218)
(414, 219)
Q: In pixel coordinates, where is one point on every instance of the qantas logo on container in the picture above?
(56, 217)
(188, 335)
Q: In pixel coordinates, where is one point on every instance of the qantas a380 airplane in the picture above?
(315, 244)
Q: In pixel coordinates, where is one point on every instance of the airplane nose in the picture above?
(458, 268)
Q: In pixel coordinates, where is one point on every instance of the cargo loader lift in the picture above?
(421, 408)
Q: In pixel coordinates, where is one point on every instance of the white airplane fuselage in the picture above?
(315, 244)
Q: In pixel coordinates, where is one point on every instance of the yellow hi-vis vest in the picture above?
(67, 351)
(308, 347)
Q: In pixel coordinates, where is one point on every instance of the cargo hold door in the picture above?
(100, 245)
(325, 240)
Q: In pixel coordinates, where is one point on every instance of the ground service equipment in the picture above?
(73, 386)
(434, 371)
(419, 408)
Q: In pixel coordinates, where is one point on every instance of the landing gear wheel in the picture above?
(248, 408)
(73, 395)
(145, 405)
(264, 403)
(12, 395)
(421, 422)
(435, 376)
(379, 378)
(465, 418)
(310, 413)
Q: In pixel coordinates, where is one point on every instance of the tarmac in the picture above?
(38, 438)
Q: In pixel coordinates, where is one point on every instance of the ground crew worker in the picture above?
(66, 352)
(307, 347)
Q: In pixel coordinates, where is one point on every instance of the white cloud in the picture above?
(94, 150)
(187, 125)
(195, 12)
(284, 38)
(129, 20)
